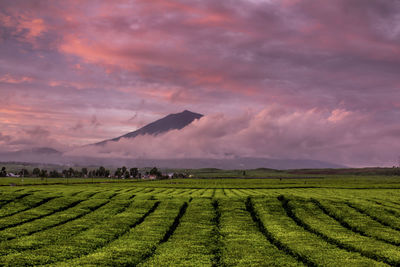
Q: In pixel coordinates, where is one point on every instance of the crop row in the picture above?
(313, 218)
(62, 232)
(292, 237)
(140, 240)
(386, 197)
(196, 227)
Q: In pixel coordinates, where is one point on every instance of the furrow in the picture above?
(365, 212)
(90, 210)
(279, 245)
(216, 236)
(175, 224)
(99, 236)
(305, 226)
(348, 226)
(66, 231)
(35, 205)
(5, 202)
(31, 206)
(169, 232)
(311, 215)
(76, 193)
(71, 205)
(213, 193)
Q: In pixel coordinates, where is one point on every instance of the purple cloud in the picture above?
(326, 62)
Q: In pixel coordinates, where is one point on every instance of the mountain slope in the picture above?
(195, 163)
(37, 154)
(171, 122)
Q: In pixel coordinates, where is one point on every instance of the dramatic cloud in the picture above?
(275, 132)
(90, 70)
(30, 138)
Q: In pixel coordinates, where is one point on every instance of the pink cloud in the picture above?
(7, 78)
(275, 132)
(338, 115)
(34, 27)
(26, 27)
(319, 65)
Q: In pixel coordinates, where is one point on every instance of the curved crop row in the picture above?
(95, 237)
(137, 244)
(9, 198)
(63, 232)
(358, 222)
(46, 207)
(24, 204)
(245, 241)
(311, 248)
(379, 215)
(190, 243)
(64, 215)
(313, 218)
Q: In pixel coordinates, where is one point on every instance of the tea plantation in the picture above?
(203, 222)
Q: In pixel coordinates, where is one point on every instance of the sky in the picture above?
(274, 78)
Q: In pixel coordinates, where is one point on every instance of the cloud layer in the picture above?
(275, 132)
(84, 71)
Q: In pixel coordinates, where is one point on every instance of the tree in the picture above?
(24, 173)
(77, 174)
(118, 173)
(155, 172)
(127, 175)
(54, 174)
(84, 171)
(134, 172)
(43, 173)
(36, 172)
(3, 172)
(179, 175)
(101, 171)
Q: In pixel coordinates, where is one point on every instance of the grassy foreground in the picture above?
(349, 221)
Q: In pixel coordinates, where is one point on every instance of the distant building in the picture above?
(152, 177)
(149, 177)
(10, 174)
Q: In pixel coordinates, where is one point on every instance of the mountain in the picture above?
(171, 122)
(234, 163)
(196, 163)
(42, 151)
(37, 154)
(36, 151)
(175, 121)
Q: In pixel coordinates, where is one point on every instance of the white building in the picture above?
(10, 174)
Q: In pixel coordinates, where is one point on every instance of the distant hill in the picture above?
(175, 121)
(36, 151)
(41, 150)
(37, 155)
(195, 163)
(171, 122)
(44, 156)
(235, 163)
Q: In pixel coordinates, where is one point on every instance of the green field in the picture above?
(336, 221)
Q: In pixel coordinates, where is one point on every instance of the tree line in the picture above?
(101, 172)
